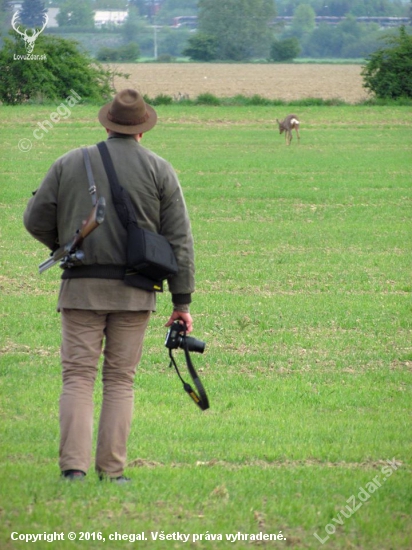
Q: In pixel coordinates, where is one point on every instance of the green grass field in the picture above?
(304, 300)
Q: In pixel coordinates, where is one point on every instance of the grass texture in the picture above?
(303, 258)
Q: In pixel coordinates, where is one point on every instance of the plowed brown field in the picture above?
(286, 82)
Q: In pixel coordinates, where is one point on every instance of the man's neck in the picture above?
(123, 136)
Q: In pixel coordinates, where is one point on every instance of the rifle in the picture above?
(69, 254)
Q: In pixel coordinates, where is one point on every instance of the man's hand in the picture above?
(181, 316)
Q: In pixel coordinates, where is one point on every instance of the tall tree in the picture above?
(141, 5)
(5, 15)
(32, 13)
(392, 8)
(240, 27)
(174, 8)
(110, 4)
(303, 20)
(78, 13)
(133, 26)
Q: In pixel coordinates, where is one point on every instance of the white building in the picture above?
(109, 17)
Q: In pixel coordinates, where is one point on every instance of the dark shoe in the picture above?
(74, 475)
(120, 480)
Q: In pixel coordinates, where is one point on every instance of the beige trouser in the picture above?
(83, 332)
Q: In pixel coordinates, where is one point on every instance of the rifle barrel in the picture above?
(50, 262)
(95, 219)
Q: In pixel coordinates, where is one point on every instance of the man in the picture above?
(95, 304)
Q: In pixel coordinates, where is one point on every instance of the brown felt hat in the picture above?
(128, 114)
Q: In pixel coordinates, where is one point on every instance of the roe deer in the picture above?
(287, 125)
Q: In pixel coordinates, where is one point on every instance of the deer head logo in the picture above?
(29, 40)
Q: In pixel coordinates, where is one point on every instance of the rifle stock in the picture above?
(96, 217)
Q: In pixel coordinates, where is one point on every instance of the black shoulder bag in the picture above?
(150, 258)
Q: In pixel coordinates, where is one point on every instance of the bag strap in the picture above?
(121, 198)
(89, 171)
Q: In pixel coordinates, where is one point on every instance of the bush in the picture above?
(284, 50)
(388, 72)
(128, 52)
(257, 100)
(202, 47)
(108, 55)
(165, 58)
(63, 68)
(207, 99)
(159, 100)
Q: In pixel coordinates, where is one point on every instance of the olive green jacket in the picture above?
(62, 202)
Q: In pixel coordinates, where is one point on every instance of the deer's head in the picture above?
(281, 127)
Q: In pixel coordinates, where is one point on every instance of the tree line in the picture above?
(240, 30)
(233, 30)
(387, 73)
(167, 9)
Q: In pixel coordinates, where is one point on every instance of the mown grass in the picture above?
(303, 297)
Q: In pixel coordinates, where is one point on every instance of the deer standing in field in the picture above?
(180, 97)
(291, 122)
